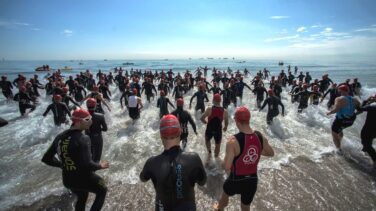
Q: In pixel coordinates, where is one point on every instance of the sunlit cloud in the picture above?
(301, 29)
(372, 28)
(279, 17)
(68, 32)
(317, 26)
(281, 38)
(4, 23)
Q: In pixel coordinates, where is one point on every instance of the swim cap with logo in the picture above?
(169, 126)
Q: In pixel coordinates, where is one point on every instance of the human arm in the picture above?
(199, 172)
(283, 107)
(145, 174)
(229, 154)
(47, 110)
(267, 150)
(192, 122)
(49, 156)
(86, 156)
(205, 114)
(225, 117)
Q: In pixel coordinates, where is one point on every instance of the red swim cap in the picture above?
(57, 98)
(343, 88)
(217, 98)
(270, 92)
(80, 114)
(95, 88)
(180, 102)
(169, 126)
(135, 91)
(305, 86)
(91, 103)
(242, 115)
(162, 93)
(65, 89)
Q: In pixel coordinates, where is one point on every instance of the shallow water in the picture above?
(305, 173)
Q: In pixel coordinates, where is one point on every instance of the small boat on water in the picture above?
(80, 63)
(280, 63)
(66, 68)
(44, 68)
(128, 63)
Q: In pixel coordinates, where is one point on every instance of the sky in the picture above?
(157, 29)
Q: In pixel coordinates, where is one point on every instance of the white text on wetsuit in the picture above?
(68, 162)
(179, 182)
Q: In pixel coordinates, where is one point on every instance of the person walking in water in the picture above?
(75, 160)
(213, 118)
(243, 152)
(184, 117)
(174, 173)
(344, 107)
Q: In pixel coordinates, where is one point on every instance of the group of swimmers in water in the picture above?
(77, 151)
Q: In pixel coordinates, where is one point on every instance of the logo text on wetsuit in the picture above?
(251, 155)
(179, 182)
(68, 162)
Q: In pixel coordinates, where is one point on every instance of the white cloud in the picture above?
(68, 32)
(283, 31)
(279, 17)
(301, 29)
(282, 38)
(5, 23)
(316, 26)
(372, 28)
(328, 29)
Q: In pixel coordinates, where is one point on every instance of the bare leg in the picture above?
(222, 203)
(245, 207)
(217, 149)
(337, 139)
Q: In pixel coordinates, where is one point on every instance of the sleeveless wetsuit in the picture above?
(243, 177)
(214, 126)
(344, 117)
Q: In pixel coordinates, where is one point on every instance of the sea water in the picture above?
(304, 174)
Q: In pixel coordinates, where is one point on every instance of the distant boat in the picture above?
(225, 58)
(66, 68)
(80, 63)
(240, 62)
(42, 69)
(280, 63)
(128, 63)
(105, 60)
(166, 59)
(210, 58)
(190, 58)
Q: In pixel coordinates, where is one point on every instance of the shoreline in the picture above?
(300, 185)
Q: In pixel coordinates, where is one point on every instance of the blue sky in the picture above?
(148, 29)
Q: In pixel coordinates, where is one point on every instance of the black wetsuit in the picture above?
(95, 134)
(23, 102)
(333, 94)
(368, 132)
(178, 91)
(70, 84)
(215, 90)
(6, 87)
(164, 87)
(162, 104)
(148, 87)
(77, 93)
(60, 112)
(184, 117)
(99, 108)
(303, 101)
(75, 160)
(66, 99)
(174, 174)
(48, 87)
(105, 92)
(214, 125)
(277, 89)
(273, 110)
(259, 91)
(315, 96)
(227, 97)
(200, 104)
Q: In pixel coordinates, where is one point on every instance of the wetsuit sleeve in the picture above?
(368, 108)
(206, 97)
(86, 156)
(169, 102)
(67, 110)
(121, 99)
(247, 86)
(264, 104)
(145, 174)
(49, 157)
(158, 102)
(47, 110)
(74, 102)
(16, 97)
(198, 174)
(103, 124)
(190, 102)
(84, 91)
(326, 93)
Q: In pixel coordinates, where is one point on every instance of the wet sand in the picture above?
(335, 183)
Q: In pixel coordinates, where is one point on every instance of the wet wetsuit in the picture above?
(70, 84)
(48, 87)
(243, 177)
(227, 96)
(105, 92)
(333, 94)
(215, 90)
(162, 105)
(315, 96)
(201, 96)
(75, 160)
(6, 87)
(184, 117)
(325, 83)
(345, 117)
(148, 87)
(60, 111)
(23, 102)
(77, 93)
(214, 126)
(133, 109)
(368, 132)
(178, 91)
(95, 134)
(273, 110)
(303, 100)
(174, 174)
(277, 89)
(119, 79)
(66, 99)
(259, 91)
